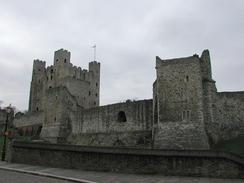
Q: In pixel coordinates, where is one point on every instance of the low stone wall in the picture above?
(142, 139)
(29, 119)
(128, 160)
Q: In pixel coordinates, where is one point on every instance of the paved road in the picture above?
(15, 177)
(99, 177)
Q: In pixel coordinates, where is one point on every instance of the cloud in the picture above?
(128, 34)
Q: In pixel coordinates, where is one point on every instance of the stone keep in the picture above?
(82, 84)
(49, 86)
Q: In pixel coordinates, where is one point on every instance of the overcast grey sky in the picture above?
(128, 33)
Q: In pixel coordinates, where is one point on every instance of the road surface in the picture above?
(15, 177)
(95, 177)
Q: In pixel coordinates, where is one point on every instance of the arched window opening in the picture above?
(65, 60)
(121, 117)
(39, 130)
(37, 109)
(187, 78)
(186, 115)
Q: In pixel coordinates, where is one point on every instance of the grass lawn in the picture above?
(235, 145)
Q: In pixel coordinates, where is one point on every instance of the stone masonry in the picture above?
(186, 111)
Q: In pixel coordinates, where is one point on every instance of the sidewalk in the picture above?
(105, 177)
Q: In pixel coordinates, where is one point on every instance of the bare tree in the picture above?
(1, 102)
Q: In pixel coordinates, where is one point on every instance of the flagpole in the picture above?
(94, 52)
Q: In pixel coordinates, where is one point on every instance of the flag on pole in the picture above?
(94, 47)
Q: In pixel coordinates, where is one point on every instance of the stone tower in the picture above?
(37, 90)
(55, 88)
(179, 103)
(94, 67)
(83, 84)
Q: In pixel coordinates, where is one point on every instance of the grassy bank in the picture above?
(235, 145)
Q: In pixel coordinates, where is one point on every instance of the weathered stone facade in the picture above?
(122, 124)
(186, 111)
(129, 160)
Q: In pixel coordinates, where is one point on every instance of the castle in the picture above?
(186, 111)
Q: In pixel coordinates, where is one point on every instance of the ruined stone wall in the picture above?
(123, 124)
(180, 104)
(29, 119)
(228, 117)
(61, 112)
(78, 88)
(138, 116)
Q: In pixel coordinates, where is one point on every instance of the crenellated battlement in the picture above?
(61, 57)
(49, 68)
(94, 62)
(63, 50)
(39, 63)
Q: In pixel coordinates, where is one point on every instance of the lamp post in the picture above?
(8, 111)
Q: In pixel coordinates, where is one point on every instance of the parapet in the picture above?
(50, 69)
(94, 66)
(94, 62)
(191, 59)
(39, 63)
(62, 50)
(62, 56)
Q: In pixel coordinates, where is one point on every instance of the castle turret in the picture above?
(37, 86)
(206, 65)
(61, 56)
(209, 90)
(62, 63)
(94, 69)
